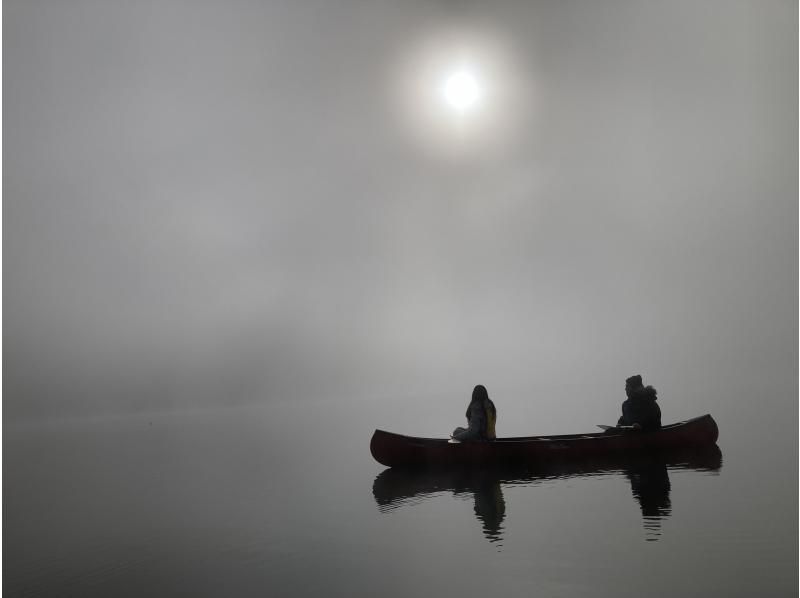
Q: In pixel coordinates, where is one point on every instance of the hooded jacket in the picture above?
(641, 408)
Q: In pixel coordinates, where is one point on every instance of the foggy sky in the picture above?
(223, 202)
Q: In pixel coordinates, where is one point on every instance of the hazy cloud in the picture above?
(220, 202)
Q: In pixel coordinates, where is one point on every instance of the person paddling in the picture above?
(481, 417)
(640, 409)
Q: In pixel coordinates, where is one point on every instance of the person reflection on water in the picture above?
(650, 487)
(640, 409)
(481, 417)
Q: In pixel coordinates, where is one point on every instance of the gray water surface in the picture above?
(286, 500)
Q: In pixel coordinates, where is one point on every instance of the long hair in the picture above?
(479, 393)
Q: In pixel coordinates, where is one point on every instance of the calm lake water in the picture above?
(285, 500)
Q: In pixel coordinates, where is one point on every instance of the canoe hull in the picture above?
(397, 450)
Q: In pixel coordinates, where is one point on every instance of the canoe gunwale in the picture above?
(552, 437)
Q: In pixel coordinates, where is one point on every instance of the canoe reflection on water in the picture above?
(648, 474)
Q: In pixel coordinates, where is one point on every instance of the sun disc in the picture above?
(461, 91)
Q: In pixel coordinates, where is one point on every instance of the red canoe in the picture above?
(394, 450)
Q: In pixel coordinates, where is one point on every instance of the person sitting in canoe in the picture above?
(481, 417)
(640, 409)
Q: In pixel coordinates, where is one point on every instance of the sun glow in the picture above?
(459, 93)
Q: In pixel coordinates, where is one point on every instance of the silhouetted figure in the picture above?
(640, 409)
(481, 417)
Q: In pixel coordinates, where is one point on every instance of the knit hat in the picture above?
(634, 381)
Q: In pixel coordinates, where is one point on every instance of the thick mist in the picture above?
(212, 203)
